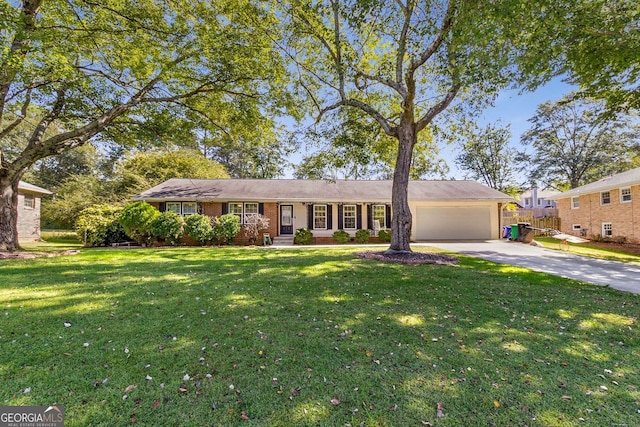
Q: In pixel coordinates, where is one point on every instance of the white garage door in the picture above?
(453, 223)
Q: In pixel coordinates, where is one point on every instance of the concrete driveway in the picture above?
(618, 275)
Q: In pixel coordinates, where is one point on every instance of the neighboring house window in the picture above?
(174, 207)
(29, 201)
(250, 209)
(349, 216)
(575, 202)
(576, 227)
(380, 214)
(189, 208)
(625, 195)
(605, 198)
(539, 202)
(527, 202)
(607, 229)
(319, 216)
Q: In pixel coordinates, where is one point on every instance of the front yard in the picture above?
(255, 336)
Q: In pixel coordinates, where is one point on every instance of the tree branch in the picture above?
(407, 11)
(435, 44)
(23, 113)
(402, 91)
(438, 108)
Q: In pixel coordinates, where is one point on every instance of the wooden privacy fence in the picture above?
(544, 223)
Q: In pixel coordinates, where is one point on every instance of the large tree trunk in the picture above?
(8, 214)
(402, 219)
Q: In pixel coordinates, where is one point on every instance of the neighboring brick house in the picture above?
(609, 207)
(441, 209)
(29, 198)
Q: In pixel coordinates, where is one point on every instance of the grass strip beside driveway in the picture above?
(252, 336)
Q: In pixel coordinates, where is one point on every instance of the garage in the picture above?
(453, 223)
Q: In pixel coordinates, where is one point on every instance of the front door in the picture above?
(286, 219)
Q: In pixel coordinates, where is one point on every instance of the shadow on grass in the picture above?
(293, 330)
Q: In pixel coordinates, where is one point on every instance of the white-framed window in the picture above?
(319, 217)
(29, 201)
(539, 202)
(235, 208)
(175, 207)
(605, 198)
(380, 214)
(577, 227)
(607, 229)
(250, 209)
(527, 201)
(189, 208)
(575, 202)
(244, 210)
(625, 195)
(349, 217)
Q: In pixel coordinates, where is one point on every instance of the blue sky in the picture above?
(514, 108)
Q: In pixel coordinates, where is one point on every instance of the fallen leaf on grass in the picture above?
(440, 410)
(496, 403)
(66, 354)
(565, 397)
(129, 388)
(156, 403)
(243, 416)
(183, 389)
(335, 401)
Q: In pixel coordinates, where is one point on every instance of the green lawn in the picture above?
(209, 336)
(585, 249)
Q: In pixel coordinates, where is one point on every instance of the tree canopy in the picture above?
(405, 62)
(88, 68)
(574, 143)
(486, 155)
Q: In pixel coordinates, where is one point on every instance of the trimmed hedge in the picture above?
(304, 236)
(362, 236)
(168, 226)
(341, 236)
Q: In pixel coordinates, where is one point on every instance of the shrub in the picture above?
(341, 236)
(384, 236)
(136, 220)
(225, 228)
(255, 225)
(362, 236)
(168, 226)
(304, 236)
(198, 227)
(98, 225)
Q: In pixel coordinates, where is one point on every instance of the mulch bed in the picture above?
(409, 257)
(31, 255)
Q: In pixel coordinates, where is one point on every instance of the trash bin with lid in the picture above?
(514, 232)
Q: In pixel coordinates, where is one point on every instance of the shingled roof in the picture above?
(25, 186)
(291, 190)
(624, 179)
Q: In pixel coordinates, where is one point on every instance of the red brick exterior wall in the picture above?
(624, 217)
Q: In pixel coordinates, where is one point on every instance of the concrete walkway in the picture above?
(618, 275)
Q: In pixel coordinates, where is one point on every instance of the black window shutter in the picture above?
(359, 217)
(261, 208)
(162, 207)
(387, 219)
(329, 217)
(225, 208)
(340, 220)
(310, 217)
(369, 217)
